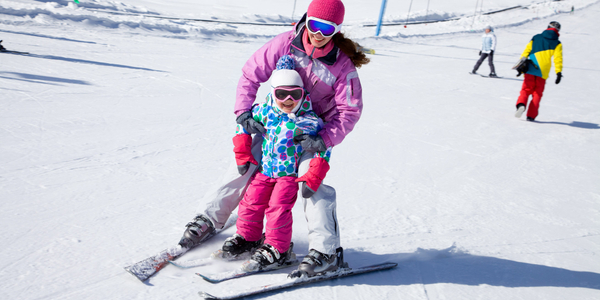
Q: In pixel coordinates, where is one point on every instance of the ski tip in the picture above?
(208, 278)
(178, 265)
(140, 277)
(206, 295)
(386, 265)
(380, 267)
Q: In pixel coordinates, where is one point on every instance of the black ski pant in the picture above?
(482, 58)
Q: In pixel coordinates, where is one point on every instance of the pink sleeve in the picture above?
(349, 104)
(258, 69)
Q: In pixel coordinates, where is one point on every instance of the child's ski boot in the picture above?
(268, 257)
(236, 246)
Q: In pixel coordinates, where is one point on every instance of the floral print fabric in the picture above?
(280, 155)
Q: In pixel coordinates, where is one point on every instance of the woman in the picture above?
(326, 62)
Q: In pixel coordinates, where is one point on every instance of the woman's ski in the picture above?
(293, 282)
(144, 269)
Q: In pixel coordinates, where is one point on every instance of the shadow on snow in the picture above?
(76, 60)
(47, 36)
(41, 79)
(577, 124)
(453, 266)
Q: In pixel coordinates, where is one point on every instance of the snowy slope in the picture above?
(120, 120)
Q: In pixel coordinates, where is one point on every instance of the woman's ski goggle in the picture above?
(282, 93)
(326, 28)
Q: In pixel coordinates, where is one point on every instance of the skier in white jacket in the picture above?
(488, 46)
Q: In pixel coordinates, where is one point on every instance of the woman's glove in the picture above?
(312, 143)
(317, 169)
(249, 124)
(242, 147)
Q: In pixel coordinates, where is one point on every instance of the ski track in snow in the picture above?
(119, 121)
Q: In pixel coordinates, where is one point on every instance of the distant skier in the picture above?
(540, 51)
(272, 192)
(2, 49)
(488, 46)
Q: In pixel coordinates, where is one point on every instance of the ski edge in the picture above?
(207, 296)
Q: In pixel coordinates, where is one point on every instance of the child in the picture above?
(488, 46)
(286, 114)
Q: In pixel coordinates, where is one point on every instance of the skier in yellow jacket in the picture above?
(539, 52)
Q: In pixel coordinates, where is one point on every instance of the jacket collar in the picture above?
(555, 30)
(313, 51)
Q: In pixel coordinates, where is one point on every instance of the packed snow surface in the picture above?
(120, 119)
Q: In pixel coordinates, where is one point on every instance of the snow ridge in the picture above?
(119, 15)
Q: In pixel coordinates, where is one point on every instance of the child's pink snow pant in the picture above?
(532, 85)
(273, 198)
(319, 210)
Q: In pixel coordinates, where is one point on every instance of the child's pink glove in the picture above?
(242, 147)
(317, 170)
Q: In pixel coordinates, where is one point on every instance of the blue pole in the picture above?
(383, 3)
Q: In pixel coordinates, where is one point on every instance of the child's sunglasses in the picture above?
(282, 93)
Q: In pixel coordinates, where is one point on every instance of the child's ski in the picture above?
(240, 272)
(215, 256)
(293, 282)
(187, 264)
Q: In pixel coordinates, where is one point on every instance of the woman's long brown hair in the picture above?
(351, 49)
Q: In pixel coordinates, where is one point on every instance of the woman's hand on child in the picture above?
(312, 143)
(249, 124)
